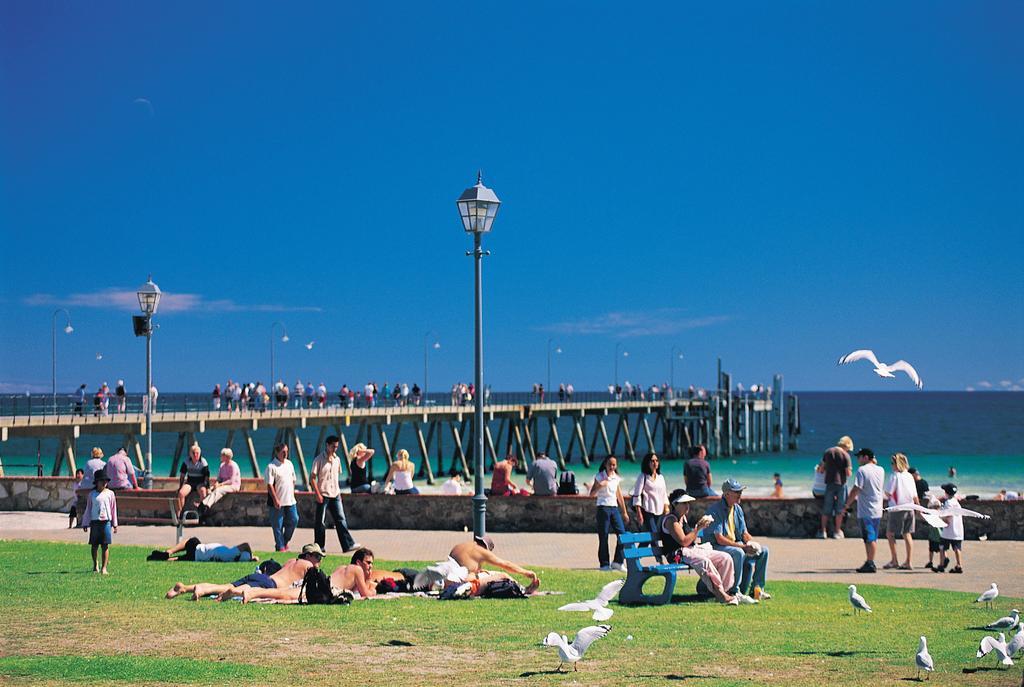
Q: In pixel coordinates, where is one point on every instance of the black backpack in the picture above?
(503, 589)
(316, 589)
(268, 567)
(567, 484)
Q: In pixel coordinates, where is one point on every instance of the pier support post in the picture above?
(553, 434)
(251, 449)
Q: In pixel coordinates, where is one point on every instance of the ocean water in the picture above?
(980, 434)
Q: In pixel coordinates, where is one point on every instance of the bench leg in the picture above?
(632, 592)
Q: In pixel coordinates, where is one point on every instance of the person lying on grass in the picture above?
(474, 555)
(290, 573)
(356, 577)
(194, 550)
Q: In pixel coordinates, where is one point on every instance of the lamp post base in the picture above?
(147, 480)
(479, 515)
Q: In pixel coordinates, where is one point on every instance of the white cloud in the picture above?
(985, 385)
(1006, 383)
(660, 321)
(124, 299)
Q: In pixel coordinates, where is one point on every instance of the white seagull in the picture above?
(309, 346)
(1005, 623)
(857, 601)
(933, 516)
(923, 659)
(881, 369)
(1015, 644)
(988, 596)
(598, 605)
(571, 653)
(990, 644)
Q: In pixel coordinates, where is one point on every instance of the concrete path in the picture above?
(791, 559)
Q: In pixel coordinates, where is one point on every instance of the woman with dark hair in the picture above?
(611, 512)
(650, 498)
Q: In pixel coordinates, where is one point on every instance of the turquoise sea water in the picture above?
(981, 434)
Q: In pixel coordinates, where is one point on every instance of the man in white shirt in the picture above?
(282, 511)
(868, 491)
(325, 477)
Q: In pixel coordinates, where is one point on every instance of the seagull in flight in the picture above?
(1007, 623)
(990, 644)
(598, 605)
(923, 659)
(988, 596)
(309, 346)
(857, 601)
(572, 653)
(934, 516)
(881, 369)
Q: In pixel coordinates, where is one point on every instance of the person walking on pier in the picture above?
(122, 397)
(836, 465)
(282, 511)
(612, 515)
(325, 479)
(300, 391)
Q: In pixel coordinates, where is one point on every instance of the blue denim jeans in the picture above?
(651, 525)
(609, 519)
(283, 521)
(337, 511)
(752, 571)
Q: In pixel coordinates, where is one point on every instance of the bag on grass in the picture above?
(316, 589)
(503, 589)
(268, 567)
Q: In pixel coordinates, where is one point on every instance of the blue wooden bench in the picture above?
(635, 547)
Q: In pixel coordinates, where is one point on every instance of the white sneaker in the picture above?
(744, 599)
(839, 535)
(820, 535)
(735, 601)
(618, 567)
(765, 595)
(605, 568)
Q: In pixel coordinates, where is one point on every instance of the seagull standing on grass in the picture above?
(988, 596)
(990, 644)
(1005, 623)
(572, 653)
(1015, 644)
(599, 605)
(857, 601)
(881, 369)
(923, 659)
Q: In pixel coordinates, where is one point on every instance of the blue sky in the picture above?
(775, 185)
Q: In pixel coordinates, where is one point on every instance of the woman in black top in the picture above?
(359, 457)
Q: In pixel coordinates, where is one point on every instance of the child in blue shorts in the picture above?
(100, 518)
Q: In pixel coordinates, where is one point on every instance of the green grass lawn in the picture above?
(60, 623)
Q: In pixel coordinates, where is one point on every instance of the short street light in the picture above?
(478, 206)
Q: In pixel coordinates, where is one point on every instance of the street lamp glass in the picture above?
(437, 344)
(149, 297)
(68, 329)
(284, 339)
(478, 206)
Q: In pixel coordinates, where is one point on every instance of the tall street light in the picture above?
(53, 334)
(478, 206)
(284, 339)
(558, 349)
(673, 354)
(426, 362)
(149, 299)
(625, 354)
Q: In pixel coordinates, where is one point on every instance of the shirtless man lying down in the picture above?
(355, 577)
(291, 572)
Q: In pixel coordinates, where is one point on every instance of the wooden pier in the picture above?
(442, 436)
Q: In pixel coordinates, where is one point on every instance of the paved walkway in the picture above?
(791, 559)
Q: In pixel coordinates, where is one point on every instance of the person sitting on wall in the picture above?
(697, 473)
(729, 533)
(501, 478)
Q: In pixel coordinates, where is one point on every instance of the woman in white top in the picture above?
(650, 499)
(401, 472)
(611, 512)
(901, 490)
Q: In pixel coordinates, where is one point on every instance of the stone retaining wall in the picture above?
(765, 517)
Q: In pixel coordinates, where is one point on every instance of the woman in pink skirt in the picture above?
(678, 541)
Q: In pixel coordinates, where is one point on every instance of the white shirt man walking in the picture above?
(325, 477)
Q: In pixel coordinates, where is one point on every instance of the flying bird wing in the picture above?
(957, 510)
(1015, 644)
(603, 613)
(913, 506)
(904, 366)
(989, 644)
(588, 635)
(609, 591)
(862, 354)
(578, 606)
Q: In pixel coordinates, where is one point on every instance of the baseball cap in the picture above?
(949, 488)
(912, 471)
(485, 542)
(100, 476)
(732, 485)
(313, 549)
(866, 452)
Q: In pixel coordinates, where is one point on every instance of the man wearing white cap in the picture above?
(729, 533)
